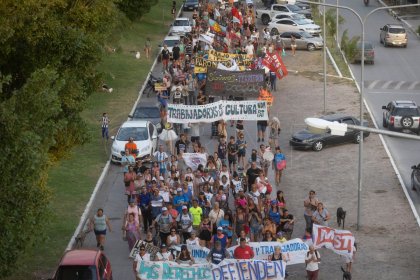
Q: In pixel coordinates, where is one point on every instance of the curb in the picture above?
(394, 14)
(108, 163)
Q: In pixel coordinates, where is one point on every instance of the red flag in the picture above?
(237, 15)
(274, 62)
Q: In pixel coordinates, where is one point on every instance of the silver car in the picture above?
(304, 41)
(393, 35)
(402, 115)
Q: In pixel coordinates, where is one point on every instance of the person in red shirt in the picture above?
(243, 251)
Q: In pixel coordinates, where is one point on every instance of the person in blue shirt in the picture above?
(127, 160)
(180, 200)
(144, 205)
(226, 224)
(187, 192)
(279, 164)
(274, 213)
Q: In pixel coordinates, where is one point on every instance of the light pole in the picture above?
(362, 81)
(336, 23)
(324, 34)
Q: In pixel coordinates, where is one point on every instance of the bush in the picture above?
(349, 46)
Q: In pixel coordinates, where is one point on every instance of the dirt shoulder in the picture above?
(388, 239)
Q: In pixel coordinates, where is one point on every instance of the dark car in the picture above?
(307, 140)
(415, 177)
(84, 264)
(149, 112)
(369, 53)
(190, 5)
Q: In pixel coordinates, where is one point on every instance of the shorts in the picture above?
(261, 127)
(232, 160)
(100, 232)
(241, 153)
(162, 171)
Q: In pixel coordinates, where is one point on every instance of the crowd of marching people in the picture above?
(229, 199)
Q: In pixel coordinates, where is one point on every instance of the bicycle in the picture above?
(150, 86)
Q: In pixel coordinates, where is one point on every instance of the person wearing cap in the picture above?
(165, 221)
(180, 200)
(197, 213)
(164, 254)
(172, 211)
(243, 251)
(220, 236)
(185, 257)
(217, 254)
(141, 255)
(185, 222)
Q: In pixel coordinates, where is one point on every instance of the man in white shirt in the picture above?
(313, 258)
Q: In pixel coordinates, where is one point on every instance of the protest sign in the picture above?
(339, 241)
(235, 83)
(294, 250)
(193, 160)
(172, 271)
(265, 95)
(274, 62)
(250, 110)
(230, 269)
(152, 250)
(160, 87)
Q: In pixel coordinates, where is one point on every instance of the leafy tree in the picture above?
(135, 9)
(50, 50)
(349, 46)
(331, 22)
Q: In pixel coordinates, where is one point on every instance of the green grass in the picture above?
(73, 179)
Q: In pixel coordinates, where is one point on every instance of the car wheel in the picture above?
(318, 146)
(384, 124)
(405, 45)
(265, 19)
(311, 47)
(274, 32)
(407, 122)
(357, 138)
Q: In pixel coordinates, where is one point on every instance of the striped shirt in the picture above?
(105, 121)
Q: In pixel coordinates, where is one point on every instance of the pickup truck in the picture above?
(266, 14)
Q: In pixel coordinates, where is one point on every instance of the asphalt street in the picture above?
(394, 76)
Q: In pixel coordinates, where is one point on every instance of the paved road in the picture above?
(394, 76)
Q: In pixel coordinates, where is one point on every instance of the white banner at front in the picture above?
(294, 250)
(248, 110)
(339, 241)
(193, 160)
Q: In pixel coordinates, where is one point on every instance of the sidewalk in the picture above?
(409, 16)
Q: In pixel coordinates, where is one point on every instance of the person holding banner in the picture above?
(185, 257)
(164, 255)
(243, 251)
(217, 254)
(142, 255)
(321, 216)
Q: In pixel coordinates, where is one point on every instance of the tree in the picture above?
(50, 50)
(349, 46)
(135, 9)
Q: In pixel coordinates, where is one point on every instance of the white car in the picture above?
(290, 25)
(181, 26)
(293, 16)
(145, 136)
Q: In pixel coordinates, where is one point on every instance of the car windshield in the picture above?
(170, 43)
(294, 8)
(138, 133)
(74, 272)
(397, 30)
(406, 112)
(182, 22)
(146, 113)
(306, 35)
(192, 1)
(298, 16)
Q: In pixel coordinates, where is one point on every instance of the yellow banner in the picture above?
(215, 57)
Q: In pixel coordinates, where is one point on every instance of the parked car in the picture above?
(145, 136)
(84, 264)
(289, 25)
(369, 53)
(170, 42)
(415, 177)
(393, 35)
(147, 112)
(180, 27)
(305, 139)
(291, 16)
(267, 13)
(190, 5)
(401, 115)
(304, 41)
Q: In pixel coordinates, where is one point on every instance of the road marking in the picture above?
(385, 86)
(373, 84)
(413, 85)
(398, 86)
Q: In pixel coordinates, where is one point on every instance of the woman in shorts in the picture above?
(99, 223)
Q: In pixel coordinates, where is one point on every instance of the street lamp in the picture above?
(362, 81)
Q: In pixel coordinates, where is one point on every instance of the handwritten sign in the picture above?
(339, 241)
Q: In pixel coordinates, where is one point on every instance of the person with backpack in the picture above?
(165, 222)
(313, 258)
(217, 254)
(185, 222)
(279, 164)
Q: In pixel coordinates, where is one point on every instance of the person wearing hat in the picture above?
(165, 221)
(185, 257)
(217, 254)
(243, 251)
(185, 221)
(180, 200)
(141, 255)
(220, 236)
(164, 254)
